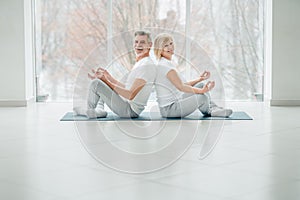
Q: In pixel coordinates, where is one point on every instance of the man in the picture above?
(126, 100)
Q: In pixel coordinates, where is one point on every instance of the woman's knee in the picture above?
(199, 85)
(202, 99)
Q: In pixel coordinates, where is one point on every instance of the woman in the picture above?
(176, 98)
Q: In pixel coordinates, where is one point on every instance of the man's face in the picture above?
(141, 44)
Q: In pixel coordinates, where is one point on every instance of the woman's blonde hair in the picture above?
(159, 43)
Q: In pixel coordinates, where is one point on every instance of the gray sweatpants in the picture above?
(100, 93)
(188, 104)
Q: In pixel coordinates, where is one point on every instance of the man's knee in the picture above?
(96, 83)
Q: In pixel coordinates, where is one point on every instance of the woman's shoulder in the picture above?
(164, 66)
(166, 63)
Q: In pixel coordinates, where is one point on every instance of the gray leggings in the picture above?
(188, 104)
(100, 93)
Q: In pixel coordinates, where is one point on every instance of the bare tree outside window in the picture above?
(229, 31)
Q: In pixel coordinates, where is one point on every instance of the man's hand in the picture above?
(91, 76)
(98, 73)
(104, 72)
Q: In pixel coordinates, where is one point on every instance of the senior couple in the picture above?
(175, 97)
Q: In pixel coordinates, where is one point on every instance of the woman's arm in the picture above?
(204, 76)
(193, 82)
(177, 82)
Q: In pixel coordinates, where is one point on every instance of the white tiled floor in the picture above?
(43, 158)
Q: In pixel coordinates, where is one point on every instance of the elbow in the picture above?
(131, 96)
(133, 93)
(181, 88)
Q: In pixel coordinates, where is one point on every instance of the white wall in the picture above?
(29, 50)
(286, 53)
(268, 51)
(16, 65)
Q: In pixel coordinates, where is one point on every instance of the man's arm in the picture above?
(137, 85)
(109, 77)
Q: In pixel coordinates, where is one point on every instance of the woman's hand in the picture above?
(208, 86)
(205, 75)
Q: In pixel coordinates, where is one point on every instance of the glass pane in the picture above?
(66, 32)
(231, 32)
(142, 14)
(155, 16)
(226, 36)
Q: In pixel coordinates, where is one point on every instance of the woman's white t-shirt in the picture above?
(166, 92)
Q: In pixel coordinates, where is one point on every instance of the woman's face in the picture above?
(168, 50)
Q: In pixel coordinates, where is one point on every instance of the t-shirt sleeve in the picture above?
(164, 68)
(146, 72)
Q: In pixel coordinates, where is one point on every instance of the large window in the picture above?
(225, 36)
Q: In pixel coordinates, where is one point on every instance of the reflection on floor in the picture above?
(43, 158)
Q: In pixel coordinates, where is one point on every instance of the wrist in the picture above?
(200, 91)
(104, 79)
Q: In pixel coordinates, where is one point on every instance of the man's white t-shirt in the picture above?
(166, 92)
(143, 69)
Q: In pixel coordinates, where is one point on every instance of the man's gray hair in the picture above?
(141, 32)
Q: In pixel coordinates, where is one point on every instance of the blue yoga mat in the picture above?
(155, 116)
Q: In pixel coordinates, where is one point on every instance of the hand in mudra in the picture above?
(205, 75)
(209, 86)
(99, 73)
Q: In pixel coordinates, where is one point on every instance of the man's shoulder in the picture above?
(146, 68)
(145, 61)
